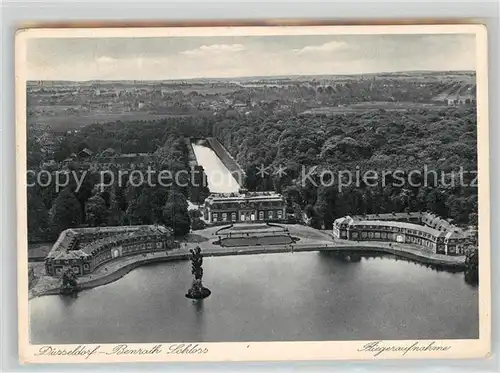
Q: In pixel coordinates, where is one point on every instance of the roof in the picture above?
(397, 224)
(67, 255)
(119, 229)
(436, 222)
(67, 240)
(430, 223)
(344, 220)
(69, 243)
(109, 157)
(427, 218)
(390, 216)
(147, 230)
(87, 151)
(455, 235)
(125, 159)
(240, 197)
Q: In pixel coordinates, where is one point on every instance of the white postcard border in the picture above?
(258, 351)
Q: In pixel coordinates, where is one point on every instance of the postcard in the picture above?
(252, 193)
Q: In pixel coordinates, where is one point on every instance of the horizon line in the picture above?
(253, 76)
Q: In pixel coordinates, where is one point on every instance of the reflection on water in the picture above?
(219, 178)
(299, 296)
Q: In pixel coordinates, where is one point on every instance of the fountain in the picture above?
(197, 290)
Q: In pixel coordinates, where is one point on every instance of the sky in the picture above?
(162, 58)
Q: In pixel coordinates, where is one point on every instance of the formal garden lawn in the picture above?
(256, 241)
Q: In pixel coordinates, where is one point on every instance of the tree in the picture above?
(297, 211)
(141, 209)
(197, 224)
(85, 191)
(471, 272)
(117, 207)
(95, 211)
(325, 205)
(69, 284)
(63, 151)
(34, 155)
(175, 213)
(473, 219)
(118, 197)
(116, 217)
(198, 189)
(66, 211)
(38, 217)
(314, 215)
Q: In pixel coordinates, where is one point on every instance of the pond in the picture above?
(219, 178)
(267, 297)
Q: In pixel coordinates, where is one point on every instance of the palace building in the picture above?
(86, 249)
(244, 207)
(424, 229)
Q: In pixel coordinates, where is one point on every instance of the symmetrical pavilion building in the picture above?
(244, 207)
(424, 229)
(86, 249)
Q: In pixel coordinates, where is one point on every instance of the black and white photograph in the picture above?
(187, 187)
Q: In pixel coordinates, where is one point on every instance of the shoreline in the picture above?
(140, 260)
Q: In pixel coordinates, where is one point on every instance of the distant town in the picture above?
(68, 105)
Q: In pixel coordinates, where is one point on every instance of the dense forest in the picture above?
(133, 136)
(442, 140)
(130, 203)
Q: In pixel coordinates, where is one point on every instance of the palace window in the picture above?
(280, 214)
(270, 214)
(261, 215)
(224, 216)
(233, 216)
(214, 216)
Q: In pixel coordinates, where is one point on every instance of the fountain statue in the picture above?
(69, 284)
(197, 290)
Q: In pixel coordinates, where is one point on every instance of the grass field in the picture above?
(249, 227)
(256, 241)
